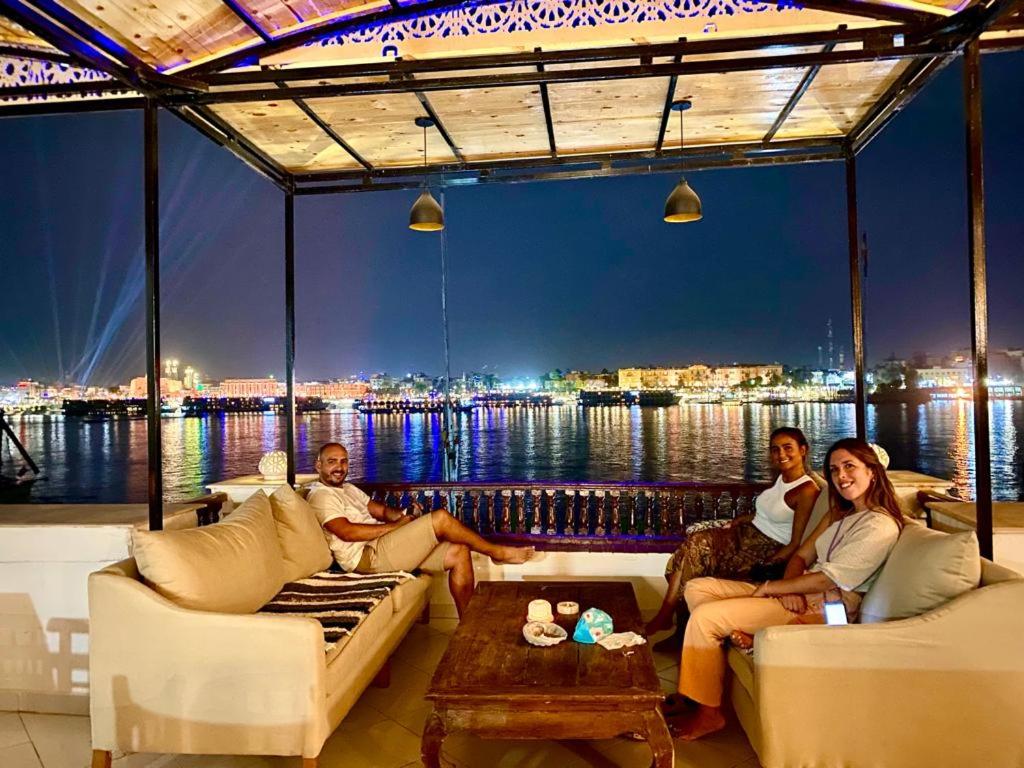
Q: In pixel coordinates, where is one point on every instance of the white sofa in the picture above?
(168, 676)
(938, 687)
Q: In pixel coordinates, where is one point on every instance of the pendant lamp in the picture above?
(683, 204)
(426, 214)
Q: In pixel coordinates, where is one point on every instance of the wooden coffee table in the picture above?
(493, 683)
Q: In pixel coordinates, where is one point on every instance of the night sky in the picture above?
(573, 274)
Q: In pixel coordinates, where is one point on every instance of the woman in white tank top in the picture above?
(772, 533)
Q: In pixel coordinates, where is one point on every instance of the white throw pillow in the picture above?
(234, 566)
(302, 539)
(925, 570)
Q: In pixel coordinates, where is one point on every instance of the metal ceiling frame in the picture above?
(933, 45)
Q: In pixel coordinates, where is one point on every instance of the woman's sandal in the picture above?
(675, 704)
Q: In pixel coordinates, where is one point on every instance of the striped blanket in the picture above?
(339, 601)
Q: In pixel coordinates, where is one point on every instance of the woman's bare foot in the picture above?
(697, 724)
(741, 640)
(512, 555)
(658, 624)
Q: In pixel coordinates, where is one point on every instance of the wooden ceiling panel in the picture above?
(12, 33)
(286, 134)
(609, 115)
(489, 123)
(733, 106)
(168, 33)
(278, 17)
(839, 96)
(382, 128)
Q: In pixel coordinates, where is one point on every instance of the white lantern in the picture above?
(274, 466)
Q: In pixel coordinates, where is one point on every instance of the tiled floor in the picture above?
(382, 731)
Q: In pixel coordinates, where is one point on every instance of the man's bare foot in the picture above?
(697, 724)
(741, 640)
(513, 555)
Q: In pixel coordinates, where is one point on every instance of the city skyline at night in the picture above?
(568, 274)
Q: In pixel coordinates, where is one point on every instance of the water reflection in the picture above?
(106, 461)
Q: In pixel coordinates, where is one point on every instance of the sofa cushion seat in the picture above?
(341, 602)
(407, 594)
(362, 649)
(742, 665)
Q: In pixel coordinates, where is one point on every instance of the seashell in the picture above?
(544, 633)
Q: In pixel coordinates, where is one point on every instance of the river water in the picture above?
(106, 461)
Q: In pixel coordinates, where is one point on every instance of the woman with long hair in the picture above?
(771, 534)
(839, 561)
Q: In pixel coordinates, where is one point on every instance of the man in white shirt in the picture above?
(367, 536)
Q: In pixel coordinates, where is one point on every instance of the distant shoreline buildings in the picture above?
(888, 379)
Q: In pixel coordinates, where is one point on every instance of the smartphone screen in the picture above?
(835, 613)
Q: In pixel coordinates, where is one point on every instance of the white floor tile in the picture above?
(12, 732)
(62, 741)
(20, 756)
(444, 626)
(384, 745)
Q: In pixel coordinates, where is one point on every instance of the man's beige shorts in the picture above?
(412, 546)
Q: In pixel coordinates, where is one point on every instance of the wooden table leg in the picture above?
(433, 734)
(660, 740)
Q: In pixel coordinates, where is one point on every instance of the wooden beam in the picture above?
(596, 171)
(794, 99)
(870, 10)
(594, 74)
(400, 68)
(36, 54)
(243, 15)
(292, 40)
(66, 107)
(647, 157)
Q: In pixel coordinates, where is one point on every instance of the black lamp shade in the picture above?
(682, 205)
(426, 214)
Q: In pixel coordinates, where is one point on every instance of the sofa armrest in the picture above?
(169, 679)
(892, 694)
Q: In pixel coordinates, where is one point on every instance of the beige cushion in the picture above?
(925, 570)
(302, 539)
(820, 508)
(234, 566)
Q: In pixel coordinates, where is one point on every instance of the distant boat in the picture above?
(512, 400)
(654, 398)
(408, 405)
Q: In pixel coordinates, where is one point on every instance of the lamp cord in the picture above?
(681, 131)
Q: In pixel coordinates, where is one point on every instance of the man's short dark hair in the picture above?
(325, 446)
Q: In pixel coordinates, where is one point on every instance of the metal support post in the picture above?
(979, 294)
(289, 321)
(151, 169)
(856, 291)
